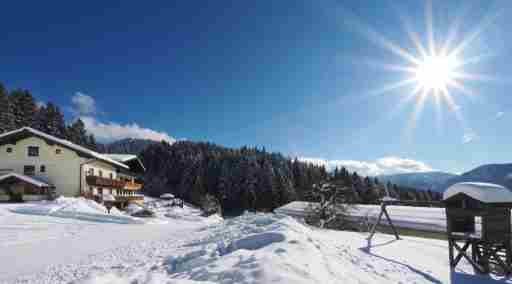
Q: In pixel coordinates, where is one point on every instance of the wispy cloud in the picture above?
(40, 104)
(111, 131)
(85, 107)
(382, 166)
(469, 137)
(83, 104)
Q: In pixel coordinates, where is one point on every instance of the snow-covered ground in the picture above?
(420, 218)
(253, 248)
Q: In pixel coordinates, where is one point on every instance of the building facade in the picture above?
(64, 168)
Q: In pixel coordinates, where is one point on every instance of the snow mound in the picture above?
(268, 248)
(132, 208)
(76, 208)
(255, 242)
(485, 192)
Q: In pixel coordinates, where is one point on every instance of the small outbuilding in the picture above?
(478, 215)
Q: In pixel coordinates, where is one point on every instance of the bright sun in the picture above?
(435, 73)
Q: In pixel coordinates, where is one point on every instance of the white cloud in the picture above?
(85, 107)
(83, 104)
(382, 166)
(469, 137)
(40, 104)
(500, 114)
(111, 131)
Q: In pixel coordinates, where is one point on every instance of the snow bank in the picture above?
(267, 248)
(485, 192)
(76, 208)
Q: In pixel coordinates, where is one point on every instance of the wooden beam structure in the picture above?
(384, 212)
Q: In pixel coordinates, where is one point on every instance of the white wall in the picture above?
(62, 170)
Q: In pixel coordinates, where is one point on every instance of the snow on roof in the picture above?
(388, 198)
(25, 178)
(484, 192)
(66, 143)
(167, 195)
(121, 157)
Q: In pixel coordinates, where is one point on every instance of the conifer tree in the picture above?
(6, 112)
(24, 108)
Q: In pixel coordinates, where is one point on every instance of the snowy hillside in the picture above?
(423, 180)
(494, 173)
(253, 248)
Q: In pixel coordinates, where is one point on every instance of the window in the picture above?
(58, 151)
(90, 172)
(111, 176)
(29, 170)
(8, 150)
(42, 168)
(101, 173)
(33, 151)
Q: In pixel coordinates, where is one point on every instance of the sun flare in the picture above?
(433, 66)
(434, 73)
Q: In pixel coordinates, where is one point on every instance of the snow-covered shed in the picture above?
(491, 203)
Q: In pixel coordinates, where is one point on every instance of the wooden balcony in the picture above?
(129, 198)
(132, 186)
(104, 182)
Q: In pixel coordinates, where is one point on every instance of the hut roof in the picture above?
(167, 196)
(484, 192)
(31, 180)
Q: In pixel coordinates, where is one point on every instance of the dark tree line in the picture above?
(369, 190)
(18, 109)
(251, 178)
(239, 179)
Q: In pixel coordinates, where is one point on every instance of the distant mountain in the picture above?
(492, 173)
(126, 146)
(434, 181)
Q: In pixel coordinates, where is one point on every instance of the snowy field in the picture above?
(419, 218)
(183, 247)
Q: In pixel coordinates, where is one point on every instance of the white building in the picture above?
(35, 165)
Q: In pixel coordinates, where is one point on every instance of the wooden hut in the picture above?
(478, 217)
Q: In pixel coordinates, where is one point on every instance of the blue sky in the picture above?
(299, 77)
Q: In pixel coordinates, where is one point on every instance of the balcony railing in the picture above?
(132, 186)
(129, 198)
(104, 182)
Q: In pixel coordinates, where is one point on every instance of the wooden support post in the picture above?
(450, 251)
(383, 211)
(390, 222)
(372, 232)
(462, 253)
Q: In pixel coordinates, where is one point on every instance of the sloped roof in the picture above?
(25, 178)
(121, 157)
(125, 158)
(64, 143)
(484, 192)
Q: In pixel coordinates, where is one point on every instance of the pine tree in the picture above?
(6, 112)
(24, 108)
(77, 134)
(50, 120)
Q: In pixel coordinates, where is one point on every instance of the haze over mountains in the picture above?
(434, 181)
(438, 181)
